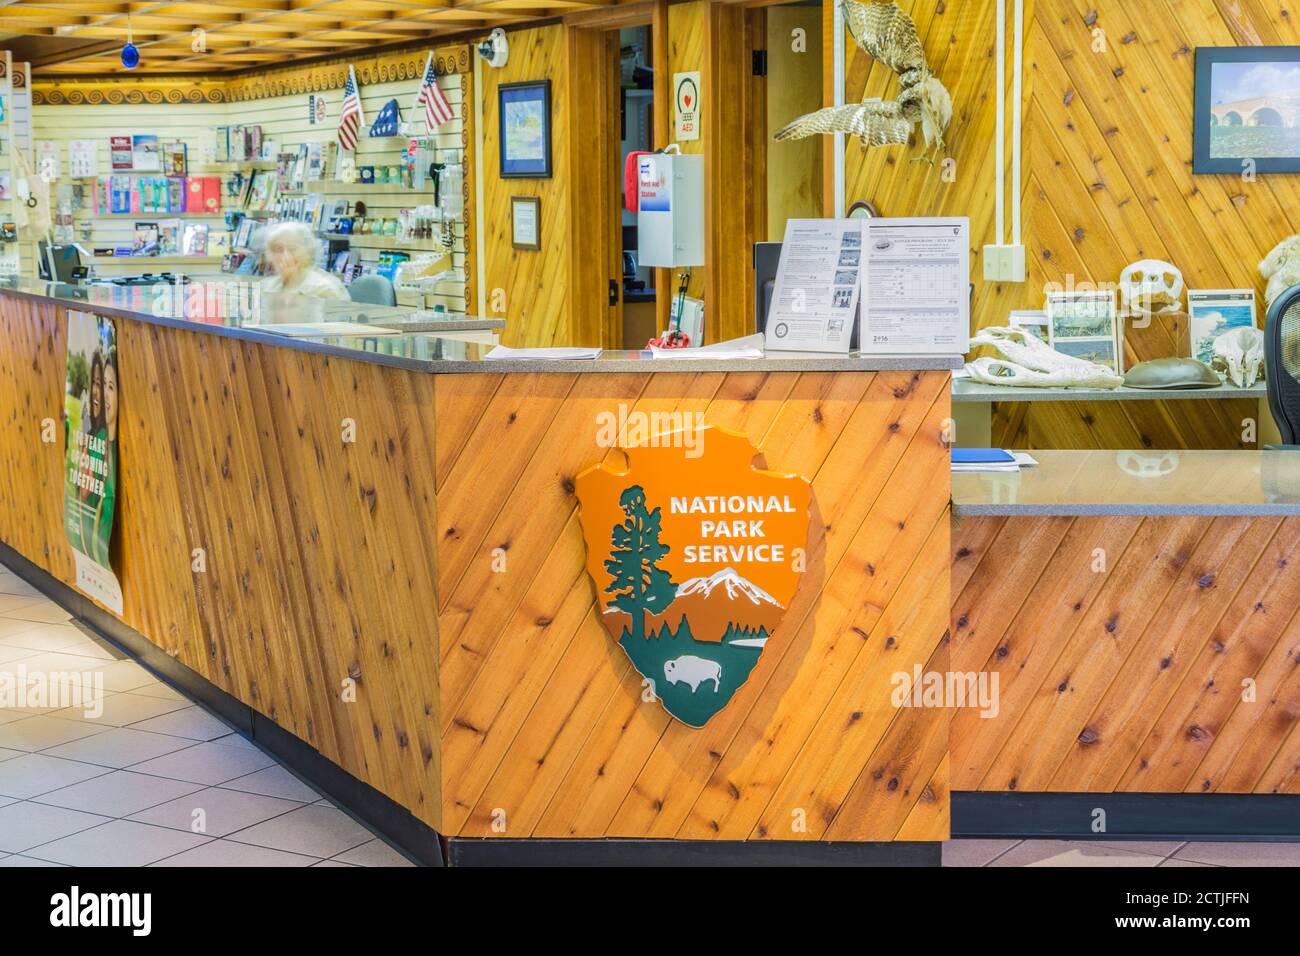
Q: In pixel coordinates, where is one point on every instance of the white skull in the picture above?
(1151, 287)
(1240, 354)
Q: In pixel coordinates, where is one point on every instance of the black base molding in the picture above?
(1224, 817)
(376, 810)
(462, 851)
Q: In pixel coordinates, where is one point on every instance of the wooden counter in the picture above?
(437, 563)
(1143, 619)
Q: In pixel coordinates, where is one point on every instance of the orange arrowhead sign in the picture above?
(696, 555)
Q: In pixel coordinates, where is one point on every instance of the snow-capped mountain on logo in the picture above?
(733, 583)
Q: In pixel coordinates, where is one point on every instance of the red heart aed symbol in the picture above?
(687, 99)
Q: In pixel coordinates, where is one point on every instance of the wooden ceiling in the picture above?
(85, 37)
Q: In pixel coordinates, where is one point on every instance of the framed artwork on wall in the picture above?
(1247, 116)
(526, 222)
(524, 111)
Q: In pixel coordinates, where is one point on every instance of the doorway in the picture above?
(638, 294)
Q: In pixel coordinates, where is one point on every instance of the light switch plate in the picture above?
(1004, 263)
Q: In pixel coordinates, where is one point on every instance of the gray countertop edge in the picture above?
(816, 363)
(1020, 393)
(1102, 509)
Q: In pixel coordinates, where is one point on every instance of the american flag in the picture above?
(351, 117)
(436, 108)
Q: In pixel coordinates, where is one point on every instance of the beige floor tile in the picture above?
(1235, 854)
(274, 781)
(1071, 853)
(126, 676)
(118, 747)
(34, 774)
(223, 811)
(18, 860)
(226, 853)
(161, 691)
(10, 655)
(960, 853)
(55, 637)
(374, 853)
(1176, 862)
(26, 825)
(209, 763)
(117, 794)
(350, 866)
(311, 830)
(11, 602)
(42, 732)
(193, 722)
(1147, 847)
(41, 610)
(118, 843)
(13, 584)
(119, 710)
(10, 754)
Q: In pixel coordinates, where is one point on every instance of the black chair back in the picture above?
(1282, 363)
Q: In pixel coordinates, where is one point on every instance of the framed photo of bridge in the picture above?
(1247, 117)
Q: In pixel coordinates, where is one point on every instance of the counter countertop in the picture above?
(964, 390)
(424, 350)
(1101, 483)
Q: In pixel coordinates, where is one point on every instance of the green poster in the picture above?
(92, 405)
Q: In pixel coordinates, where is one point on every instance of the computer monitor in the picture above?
(60, 263)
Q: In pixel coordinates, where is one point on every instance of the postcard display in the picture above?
(904, 284)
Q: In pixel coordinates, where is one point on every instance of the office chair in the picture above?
(1282, 363)
(372, 290)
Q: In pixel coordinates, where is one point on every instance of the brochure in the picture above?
(916, 286)
(817, 285)
(146, 153)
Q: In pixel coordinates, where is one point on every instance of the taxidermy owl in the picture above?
(887, 34)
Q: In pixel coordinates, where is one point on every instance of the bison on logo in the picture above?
(695, 559)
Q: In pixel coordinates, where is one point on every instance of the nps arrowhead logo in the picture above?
(695, 554)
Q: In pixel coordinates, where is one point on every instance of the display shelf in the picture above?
(372, 241)
(87, 214)
(156, 260)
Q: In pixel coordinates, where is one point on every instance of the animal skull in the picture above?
(1030, 361)
(1151, 287)
(1240, 354)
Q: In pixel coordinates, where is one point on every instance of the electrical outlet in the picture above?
(1004, 263)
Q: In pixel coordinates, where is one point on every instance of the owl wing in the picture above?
(886, 33)
(878, 122)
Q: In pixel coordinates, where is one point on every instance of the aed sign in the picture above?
(695, 555)
(686, 105)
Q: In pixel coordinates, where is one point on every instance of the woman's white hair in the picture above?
(296, 236)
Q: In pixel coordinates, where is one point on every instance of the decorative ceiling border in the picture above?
(281, 81)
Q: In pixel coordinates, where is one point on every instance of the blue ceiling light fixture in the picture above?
(130, 53)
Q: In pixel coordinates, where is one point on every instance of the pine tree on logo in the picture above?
(644, 587)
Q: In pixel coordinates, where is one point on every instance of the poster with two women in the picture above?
(92, 406)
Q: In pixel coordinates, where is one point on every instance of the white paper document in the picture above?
(746, 347)
(553, 355)
(916, 286)
(817, 284)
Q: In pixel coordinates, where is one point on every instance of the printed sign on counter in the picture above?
(916, 286)
(695, 555)
(91, 412)
(817, 284)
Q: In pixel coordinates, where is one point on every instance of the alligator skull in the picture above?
(1029, 361)
(1151, 287)
(1239, 353)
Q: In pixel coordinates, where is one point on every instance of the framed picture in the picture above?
(525, 129)
(1247, 110)
(526, 222)
(1084, 325)
(1211, 312)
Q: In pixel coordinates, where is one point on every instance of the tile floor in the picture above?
(125, 784)
(1119, 853)
(129, 783)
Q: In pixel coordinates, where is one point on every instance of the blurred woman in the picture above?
(107, 432)
(291, 255)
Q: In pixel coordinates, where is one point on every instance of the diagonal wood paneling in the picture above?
(1121, 647)
(543, 722)
(318, 568)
